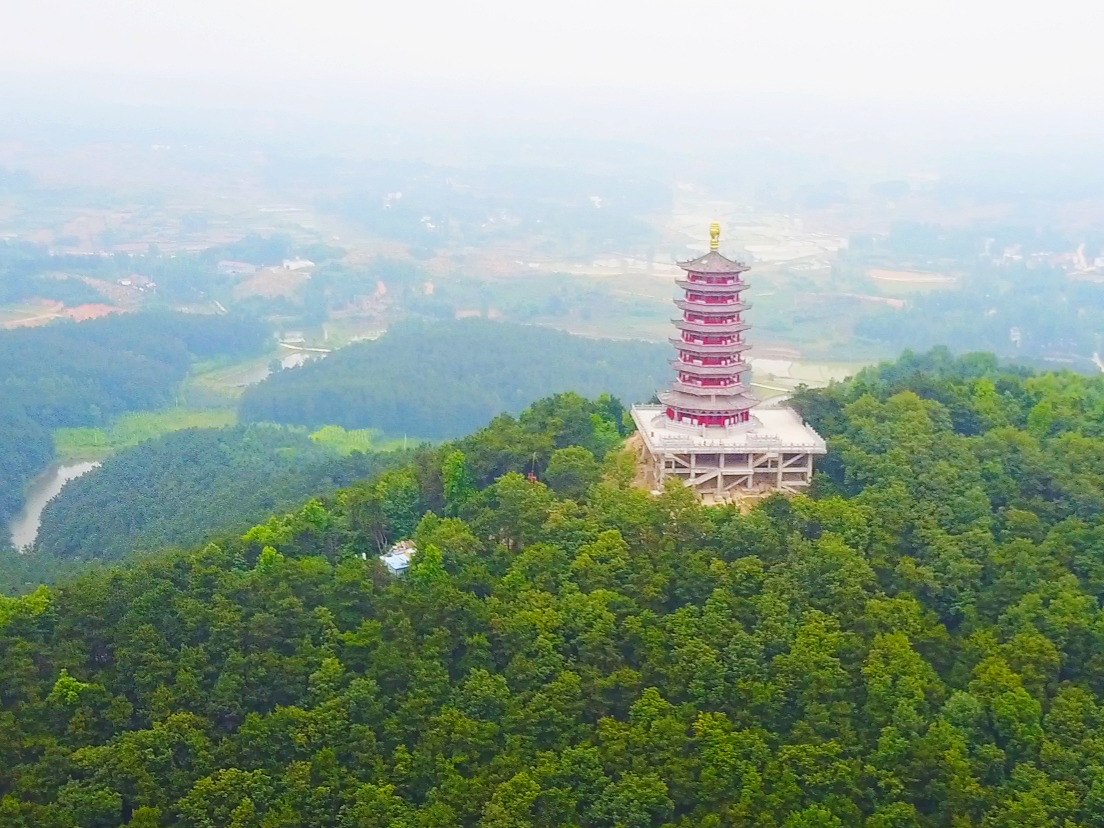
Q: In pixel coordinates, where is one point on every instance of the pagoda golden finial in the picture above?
(714, 235)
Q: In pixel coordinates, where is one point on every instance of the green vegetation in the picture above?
(220, 383)
(26, 448)
(1054, 315)
(915, 644)
(345, 442)
(616, 305)
(449, 378)
(69, 375)
(1008, 278)
(131, 429)
(28, 272)
(177, 490)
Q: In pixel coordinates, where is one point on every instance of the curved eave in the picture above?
(713, 264)
(699, 307)
(707, 329)
(712, 404)
(735, 390)
(709, 350)
(705, 287)
(698, 269)
(709, 370)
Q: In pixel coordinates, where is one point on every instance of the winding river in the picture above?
(25, 526)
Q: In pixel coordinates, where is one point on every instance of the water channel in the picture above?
(24, 528)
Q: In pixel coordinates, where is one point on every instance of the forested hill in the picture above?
(82, 374)
(71, 374)
(180, 488)
(915, 644)
(445, 379)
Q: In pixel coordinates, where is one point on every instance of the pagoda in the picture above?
(710, 387)
(709, 431)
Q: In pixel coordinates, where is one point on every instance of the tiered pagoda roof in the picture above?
(713, 263)
(709, 390)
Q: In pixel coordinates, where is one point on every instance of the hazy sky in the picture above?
(947, 51)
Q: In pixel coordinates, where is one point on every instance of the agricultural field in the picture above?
(909, 283)
(221, 383)
(346, 441)
(72, 444)
(777, 376)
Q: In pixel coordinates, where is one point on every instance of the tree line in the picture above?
(176, 490)
(190, 485)
(69, 374)
(445, 379)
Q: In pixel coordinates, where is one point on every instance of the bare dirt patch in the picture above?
(32, 315)
(48, 311)
(635, 446)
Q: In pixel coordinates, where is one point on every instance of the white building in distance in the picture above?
(397, 558)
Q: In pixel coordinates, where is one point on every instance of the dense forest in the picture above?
(916, 643)
(440, 380)
(70, 374)
(176, 490)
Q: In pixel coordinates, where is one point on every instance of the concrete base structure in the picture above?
(772, 452)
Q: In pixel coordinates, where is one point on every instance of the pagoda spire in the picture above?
(712, 387)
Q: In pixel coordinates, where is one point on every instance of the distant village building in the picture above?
(397, 558)
(138, 282)
(228, 268)
(710, 431)
(297, 264)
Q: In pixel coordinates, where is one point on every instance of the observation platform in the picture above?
(774, 451)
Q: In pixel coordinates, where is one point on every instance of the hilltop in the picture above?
(913, 644)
